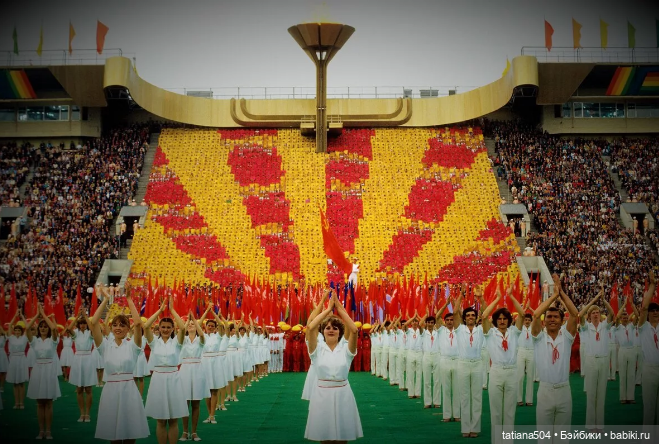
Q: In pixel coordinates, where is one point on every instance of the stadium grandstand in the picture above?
(255, 206)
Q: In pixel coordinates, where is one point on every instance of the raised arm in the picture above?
(99, 311)
(647, 298)
(52, 325)
(28, 327)
(520, 310)
(179, 322)
(147, 326)
(312, 329)
(200, 332)
(609, 309)
(582, 313)
(349, 325)
(488, 311)
(318, 308)
(536, 325)
(574, 313)
(137, 320)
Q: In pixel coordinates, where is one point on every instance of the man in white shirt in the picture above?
(430, 349)
(613, 354)
(448, 368)
(414, 358)
(624, 335)
(648, 329)
(525, 362)
(552, 349)
(595, 341)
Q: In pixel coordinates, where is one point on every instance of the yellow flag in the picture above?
(72, 33)
(604, 33)
(505, 71)
(576, 34)
(40, 47)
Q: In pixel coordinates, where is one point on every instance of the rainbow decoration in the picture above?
(634, 81)
(14, 84)
(621, 81)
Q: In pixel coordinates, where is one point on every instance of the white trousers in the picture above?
(613, 359)
(554, 410)
(525, 365)
(376, 355)
(485, 361)
(639, 365)
(650, 394)
(384, 361)
(627, 370)
(470, 379)
(503, 398)
(393, 367)
(597, 372)
(431, 374)
(414, 371)
(448, 369)
(400, 367)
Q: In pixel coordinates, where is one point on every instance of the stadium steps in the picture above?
(123, 252)
(28, 179)
(504, 191)
(146, 169)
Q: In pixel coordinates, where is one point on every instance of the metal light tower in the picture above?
(321, 42)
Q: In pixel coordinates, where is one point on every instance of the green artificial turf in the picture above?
(271, 411)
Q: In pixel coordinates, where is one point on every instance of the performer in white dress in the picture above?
(17, 373)
(121, 415)
(245, 354)
(224, 364)
(83, 369)
(265, 351)
(215, 377)
(44, 386)
(141, 366)
(4, 362)
(165, 401)
(312, 378)
(191, 373)
(66, 357)
(502, 343)
(333, 414)
(236, 363)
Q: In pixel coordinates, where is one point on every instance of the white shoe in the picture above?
(184, 437)
(207, 420)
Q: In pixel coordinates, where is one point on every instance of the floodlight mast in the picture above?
(321, 42)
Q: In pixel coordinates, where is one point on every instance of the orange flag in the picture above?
(94, 303)
(101, 32)
(72, 33)
(576, 34)
(331, 245)
(549, 32)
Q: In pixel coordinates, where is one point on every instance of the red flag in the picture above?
(101, 32)
(60, 316)
(30, 307)
(48, 302)
(78, 299)
(549, 32)
(629, 295)
(331, 245)
(13, 303)
(614, 299)
(534, 293)
(94, 303)
(3, 315)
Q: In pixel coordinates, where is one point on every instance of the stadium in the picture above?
(242, 206)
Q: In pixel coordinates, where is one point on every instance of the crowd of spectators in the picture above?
(566, 187)
(15, 163)
(72, 200)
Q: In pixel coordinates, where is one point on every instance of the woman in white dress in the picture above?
(141, 366)
(44, 386)
(83, 369)
(224, 364)
(333, 414)
(312, 378)
(66, 357)
(165, 401)
(192, 374)
(4, 362)
(121, 415)
(265, 351)
(17, 373)
(236, 362)
(215, 377)
(245, 355)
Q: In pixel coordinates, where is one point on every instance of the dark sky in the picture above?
(204, 44)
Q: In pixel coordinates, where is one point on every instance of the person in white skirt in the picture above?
(121, 415)
(191, 372)
(44, 386)
(236, 362)
(141, 366)
(261, 369)
(83, 369)
(66, 357)
(165, 401)
(215, 378)
(244, 352)
(311, 381)
(333, 414)
(223, 362)
(4, 362)
(17, 373)
(100, 365)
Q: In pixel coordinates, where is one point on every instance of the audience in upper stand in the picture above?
(637, 166)
(14, 166)
(565, 185)
(72, 200)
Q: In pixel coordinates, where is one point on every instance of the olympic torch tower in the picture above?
(321, 42)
